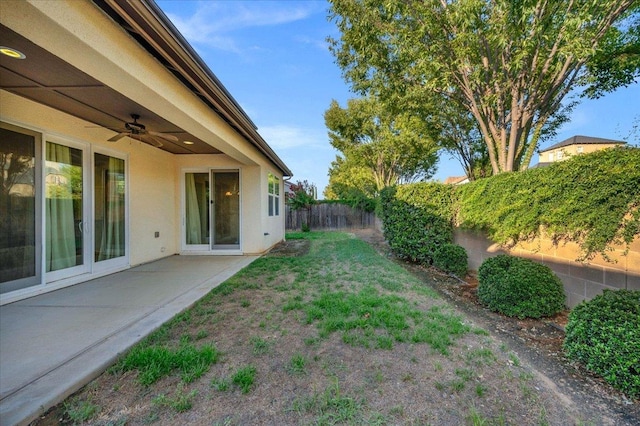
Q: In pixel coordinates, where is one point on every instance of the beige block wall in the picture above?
(581, 280)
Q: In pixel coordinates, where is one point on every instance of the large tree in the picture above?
(391, 148)
(507, 63)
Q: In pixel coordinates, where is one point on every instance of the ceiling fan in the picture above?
(138, 131)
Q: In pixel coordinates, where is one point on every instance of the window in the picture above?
(580, 149)
(274, 195)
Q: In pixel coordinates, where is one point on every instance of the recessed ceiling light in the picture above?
(12, 53)
(188, 143)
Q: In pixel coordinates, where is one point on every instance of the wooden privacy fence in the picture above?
(329, 217)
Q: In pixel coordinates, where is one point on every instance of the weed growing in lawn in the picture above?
(79, 411)
(244, 378)
(481, 390)
(480, 356)
(180, 402)
(260, 345)
(221, 384)
(331, 407)
(297, 364)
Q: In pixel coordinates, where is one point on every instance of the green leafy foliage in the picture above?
(519, 287)
(592, 199)
(451, 258)
(508, 64)
(416, 220)
(378, 148)
(604, 334)
(302, 195)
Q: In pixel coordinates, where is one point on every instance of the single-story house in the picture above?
(119, 146)
(575, 145)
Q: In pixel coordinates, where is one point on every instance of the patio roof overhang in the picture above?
(52, 81)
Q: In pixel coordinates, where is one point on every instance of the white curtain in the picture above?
(194, 224)
(60, 231)
(112, 242)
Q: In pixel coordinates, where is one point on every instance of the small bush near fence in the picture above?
(604, 335)
(519, 287)
(451, 258)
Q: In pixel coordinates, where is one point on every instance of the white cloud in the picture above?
(320, 44)
(214, 22)
(283, 136)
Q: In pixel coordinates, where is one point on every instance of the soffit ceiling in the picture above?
(46, 79)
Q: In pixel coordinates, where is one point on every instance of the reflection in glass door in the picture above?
(19, 206)
(110, 213)
(226, 209)
(64, 211)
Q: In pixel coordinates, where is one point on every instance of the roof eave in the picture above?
(151, 23)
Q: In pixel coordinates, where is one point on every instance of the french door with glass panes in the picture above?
(211, 210)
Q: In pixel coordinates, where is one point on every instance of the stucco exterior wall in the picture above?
(581, 280)
(82, 35)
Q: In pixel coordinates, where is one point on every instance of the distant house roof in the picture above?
(582, 140)
(456, 180)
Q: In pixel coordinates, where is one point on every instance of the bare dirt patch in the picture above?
(260, 319)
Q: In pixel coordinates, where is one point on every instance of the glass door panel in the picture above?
(197, 197)
(19, 258)
(226, 209)
(64, 210)
(109, 205)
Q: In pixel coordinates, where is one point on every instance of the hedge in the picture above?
(604, 334)
(413, 224)
(592, 199)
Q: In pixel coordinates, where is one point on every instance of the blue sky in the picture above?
(273, 58)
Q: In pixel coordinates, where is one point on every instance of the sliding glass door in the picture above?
(110, 213)
(19, 208)
(66, 212)
(212, 210)
(226, 209)
(63, 209)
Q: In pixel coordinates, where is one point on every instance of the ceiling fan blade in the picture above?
(152, 140)
(165, 136)
(118, 137)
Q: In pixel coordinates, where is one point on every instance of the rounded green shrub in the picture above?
(519, 287)
(451, 258)
(604, 334)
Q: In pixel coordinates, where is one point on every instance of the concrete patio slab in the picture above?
(54, 343)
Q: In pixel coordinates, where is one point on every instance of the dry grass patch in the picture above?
(337, 335)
